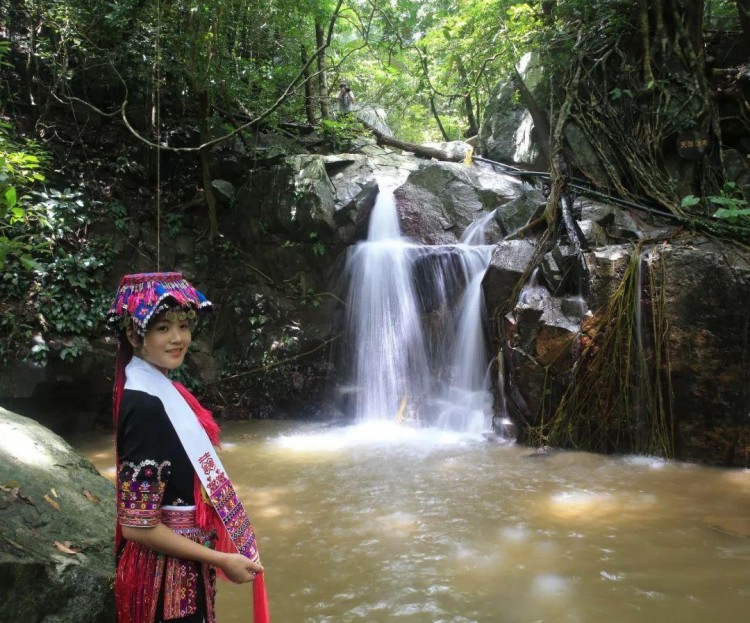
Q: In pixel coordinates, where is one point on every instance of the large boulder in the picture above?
(706, 291)
(510, 261)
(56, 529)
(506, 134)
(307, 196)
(440, 200)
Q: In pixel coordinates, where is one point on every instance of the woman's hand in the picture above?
(239, 569)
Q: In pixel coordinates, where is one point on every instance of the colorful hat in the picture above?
(140, 297)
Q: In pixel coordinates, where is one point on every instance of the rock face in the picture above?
(699, 291)
(56, 529)
(63, 396)
(440, 200)
(706, 288)
(507, 132)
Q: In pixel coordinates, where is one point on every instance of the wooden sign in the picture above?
(692, 145)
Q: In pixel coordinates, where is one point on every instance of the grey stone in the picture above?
(49, 494)
(518, 212)
(606, 267)
(510, 259)
(225, 191)
(438, 202)
(593, 233)
(559, 270)
(737, 166)
(601, 213)
(706, 290)
(506, 131)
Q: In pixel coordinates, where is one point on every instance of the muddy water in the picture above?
(381, 524)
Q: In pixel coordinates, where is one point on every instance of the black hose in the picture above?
(585, 188)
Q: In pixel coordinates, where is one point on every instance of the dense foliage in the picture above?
(184, 74)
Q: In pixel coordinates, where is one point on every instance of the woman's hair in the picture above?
(122, 359)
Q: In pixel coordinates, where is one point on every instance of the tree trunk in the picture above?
(433, 108)
(418, 150)
(320, 40)
(648, 74)
(309, 102)
(473, 128)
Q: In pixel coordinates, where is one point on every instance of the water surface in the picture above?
(381, 523)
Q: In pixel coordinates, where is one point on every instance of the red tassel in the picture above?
(204, 512)
(137, 578)
(261, 613)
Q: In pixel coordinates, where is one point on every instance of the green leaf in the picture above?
(29, 263)
(724, 201)
(689, 200)
(731, 213)
(10, 197)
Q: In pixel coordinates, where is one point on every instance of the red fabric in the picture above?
(140, 568)
(205, 417)
(261, 613)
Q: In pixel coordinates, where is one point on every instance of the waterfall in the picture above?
(416, 327)
(389, 357)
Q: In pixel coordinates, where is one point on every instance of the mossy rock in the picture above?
(56, 529)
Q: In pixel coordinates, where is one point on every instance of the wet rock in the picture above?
(224, 191)
(356, 188)
(518, 212)
(559, 270)
(64, 394)
(506, 134)
(593, 233)
(586, 157)
(510, 259)
(601, 213)
(738, 170)
(625, 227)
(606, 267)
(438, 202)
(56, 529)
(706, 289)
(298, 198)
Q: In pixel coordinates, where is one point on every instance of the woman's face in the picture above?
(167, 340)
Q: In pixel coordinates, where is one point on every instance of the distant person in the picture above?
(346, 98)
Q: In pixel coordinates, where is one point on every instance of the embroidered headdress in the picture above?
(142, 296)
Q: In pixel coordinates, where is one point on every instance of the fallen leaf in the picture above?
(54, 492)
(90, 496)
(52, 503)
(11, 484)
(65, 547)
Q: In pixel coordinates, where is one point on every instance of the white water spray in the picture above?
(401, 370)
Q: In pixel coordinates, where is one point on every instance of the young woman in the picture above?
(178, 517)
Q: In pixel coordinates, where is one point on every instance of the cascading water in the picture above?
(416, 326)
(390, 363)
